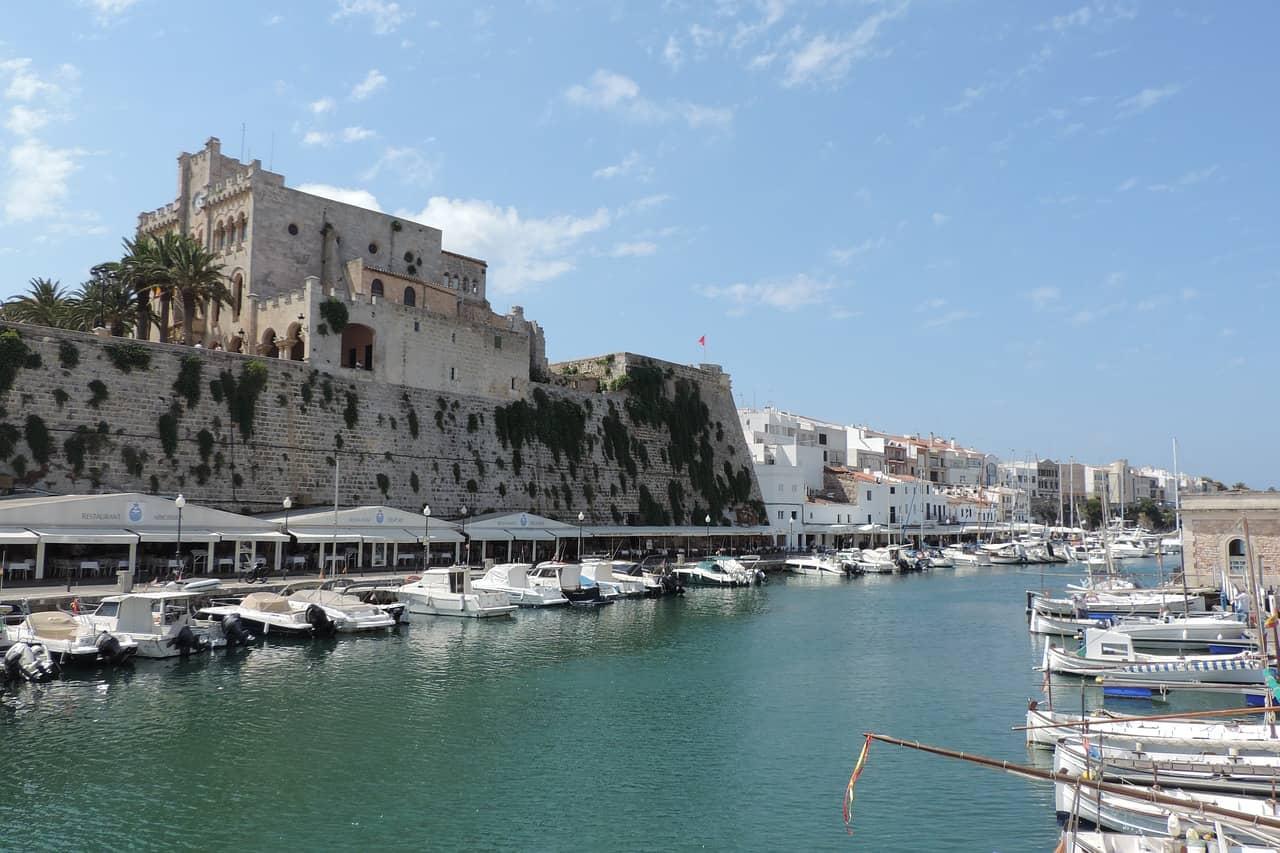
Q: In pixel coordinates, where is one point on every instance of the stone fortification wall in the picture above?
(87, 414)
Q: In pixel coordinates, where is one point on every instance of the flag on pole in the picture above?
(702, 341)
(853, 780)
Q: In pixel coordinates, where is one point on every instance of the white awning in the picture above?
(17, 536)
(331, 534)
(251, 534)
(170, 534)
(442, 535)
(390, 534)
(480, 533)
(534, 534)
(85, 536)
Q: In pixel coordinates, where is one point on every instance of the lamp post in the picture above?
(179, 502)
(581, 518)
(287, 503)
(464, 533)
(791, 533)
(707, 520)
(426, 537)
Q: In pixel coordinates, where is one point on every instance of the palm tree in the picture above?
(105, 300)
(196, 277)
(144, 269)
(44, 304)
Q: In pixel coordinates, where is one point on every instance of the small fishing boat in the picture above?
(162, 624)
(448, 592)
(1107, 653)
(1092, 841)
(1157, 764)
(512, 579)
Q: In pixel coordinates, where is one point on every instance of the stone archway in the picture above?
(268, 346)
(357, 346)
(293, 342)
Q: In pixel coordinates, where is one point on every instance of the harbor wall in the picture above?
(86, 414)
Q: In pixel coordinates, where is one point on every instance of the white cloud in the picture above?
(274, 20)
(618, 170)
(1228, 332)
(1126, 185)
(1079, 18)
(788, 294)
(108, 9)
(1043, 297)
(949, 318)
(25, 84)
(970, 96)
(1146, 99)
(672, 54)
(845, 254)
(25, 121)
(771, 12)
(637, 249)
(824, 59)
(1189, 293)
(521, 251)
(317, 137)
(940, 218)
(372, 82)
(1198, 175)
(615, 93)
(357, 134)
(37, 180)
(323, 105)
(932, 304)
(385, 17)
(407, 164)
(357, 197)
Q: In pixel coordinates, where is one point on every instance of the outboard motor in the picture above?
(235, 631)
(29, 661)
(187, 642)
(110, 650)
(761, 577)
(321, 624)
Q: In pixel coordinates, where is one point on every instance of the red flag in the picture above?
(702, 341)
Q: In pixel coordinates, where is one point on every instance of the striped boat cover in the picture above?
(1193, 666)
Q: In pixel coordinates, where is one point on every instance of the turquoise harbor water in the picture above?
(729, 719)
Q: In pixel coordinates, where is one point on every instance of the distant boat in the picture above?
(513, 580)
(72, 638)
(448, 592)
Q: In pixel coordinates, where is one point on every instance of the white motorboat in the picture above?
(968, 557)
(602, 572)
(162, 624)
(72, 638)
(939, 559)
(882, 561)
(713, 572)
(263, 614)
(1111, 655)
(1171, 545)
(1128, 548)
(1082, 841)
(347, 613)
(1062, 626)
(512, 579)
(814, 564)
(1007, 554)
(448, 592)
(655, 574)
(385, 598)
(566, 578)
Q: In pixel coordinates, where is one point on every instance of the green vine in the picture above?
(97, 393)
(384, 484)
(38, 440)
(167, 427)
(558, 424)
(60, 397)
(68, 355)
(414, 483)
(334, 313)
(134, 460)
(351, 414)
(9, 435)
(187, 385)
(128, 357)
(81, 441)
(14, 355)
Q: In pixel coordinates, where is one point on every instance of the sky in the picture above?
(1040, 229)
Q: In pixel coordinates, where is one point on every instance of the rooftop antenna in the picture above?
(242, 129)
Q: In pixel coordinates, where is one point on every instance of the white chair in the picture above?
(89, 567)
(23, 567)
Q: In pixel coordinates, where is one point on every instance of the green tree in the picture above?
(104, 300)
(1044, 511)
(143, 271)
(1091, 513)
(44, 304)
(195, 276)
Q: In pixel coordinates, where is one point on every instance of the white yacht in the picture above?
(714, 572)
(512, 579)
(448, 592)
(1007, 554)
(604, 573)
(71, 637)
(265, 613)
(814, 564)
(161, 623)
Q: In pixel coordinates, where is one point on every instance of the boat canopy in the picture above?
(134, 615)
(267, 602)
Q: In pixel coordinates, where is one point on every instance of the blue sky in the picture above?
(1035, 227)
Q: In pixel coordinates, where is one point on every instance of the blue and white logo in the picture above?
(524, 519)
(135, 512)
(379, 518)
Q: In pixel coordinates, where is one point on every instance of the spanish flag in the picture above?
(853, 780)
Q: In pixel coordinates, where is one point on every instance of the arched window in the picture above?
(237, 295)
(218, 234)
(357, 347)
(376, 287)
(244, 228)
(410, 296)
(1237, 561)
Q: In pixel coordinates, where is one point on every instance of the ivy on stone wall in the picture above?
(9, 435)
(60, 397)
(97, 393)
(68, 355)
(134, 459)
(204, 442)
(334, 313)
(14, 356)
(38, 440)
(82, 441)
(558, 424)
(242, 394)
(128, 357)
(167, 428)
(384, 484)
(652, 512)
(187, 385)
(414, 483)
(351, 414)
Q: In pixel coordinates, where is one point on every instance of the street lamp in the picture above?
(287, 503)
(581, 518)
(179, 502)
(791, 532)
(707, 520)
(464, 533)
(426, 537)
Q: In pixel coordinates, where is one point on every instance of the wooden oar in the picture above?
(1188, 806)
(1184, 716)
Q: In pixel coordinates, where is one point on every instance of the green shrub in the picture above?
(9, 435)
(472, 486)
(133, 459)
(334, 313)
(167, 427)
(473, 423)
(414, 483)
(13, 357)
(60, 397)
(68, 355)
(204, 441)
(351, 414)
(384, 484)
(128, 357)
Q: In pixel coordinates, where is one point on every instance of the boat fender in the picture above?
(186, 641)
(321, 624)
(109, 649)
(235, 632)
(412, 579)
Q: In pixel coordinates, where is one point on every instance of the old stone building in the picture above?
(1214, 542)
(342, 287)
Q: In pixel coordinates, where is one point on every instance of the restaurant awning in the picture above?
(532, 534)
(85, 536)
(17, 536)
(444, 535)
(253, 534)
(390, 534)
(321, 534)
(165, 534)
